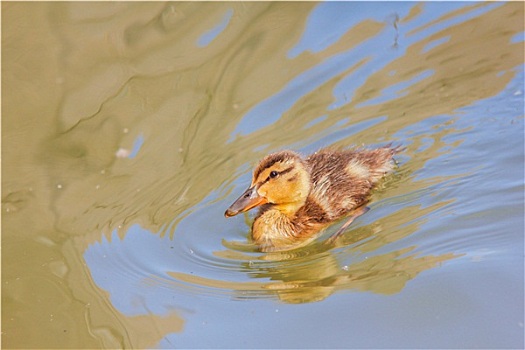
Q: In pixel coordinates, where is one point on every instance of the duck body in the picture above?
(298, 197)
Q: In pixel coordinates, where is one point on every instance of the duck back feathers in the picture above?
(342, 180)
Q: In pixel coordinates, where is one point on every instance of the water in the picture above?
(128, 129)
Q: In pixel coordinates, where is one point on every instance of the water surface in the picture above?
(128, 129)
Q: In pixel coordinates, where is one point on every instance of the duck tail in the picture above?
(395, 149)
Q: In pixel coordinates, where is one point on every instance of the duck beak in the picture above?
(248, 200)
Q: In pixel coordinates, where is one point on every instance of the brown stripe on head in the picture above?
(271, 159)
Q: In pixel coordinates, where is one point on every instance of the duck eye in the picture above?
(273, 174)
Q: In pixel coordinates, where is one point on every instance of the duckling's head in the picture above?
(281, 179)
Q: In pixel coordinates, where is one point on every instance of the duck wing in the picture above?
(342, 180)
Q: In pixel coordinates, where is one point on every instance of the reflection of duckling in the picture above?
(299, 197)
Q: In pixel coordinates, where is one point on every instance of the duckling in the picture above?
(298, 197)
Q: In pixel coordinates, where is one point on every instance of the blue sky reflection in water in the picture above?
(146, 119)
(471, 298)
(326, 24)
